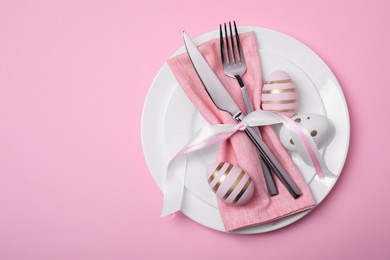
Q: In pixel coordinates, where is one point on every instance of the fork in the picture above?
(234, 66)
(233, 60)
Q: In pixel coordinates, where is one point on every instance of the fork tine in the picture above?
(234, 60)
(229, 57)
(241, 57)
(222, 45)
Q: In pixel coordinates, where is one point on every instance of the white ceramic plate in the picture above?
(162, 136)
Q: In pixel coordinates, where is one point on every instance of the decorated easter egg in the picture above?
(230, 183)
(317, 125)
(279, 94)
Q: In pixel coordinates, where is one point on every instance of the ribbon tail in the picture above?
(318, 160)
(176, 170)
(174, 186)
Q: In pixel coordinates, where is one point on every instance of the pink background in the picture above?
(73, 79)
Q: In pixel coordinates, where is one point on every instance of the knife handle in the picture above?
(267, 172)
(269, 180)
(271, 161)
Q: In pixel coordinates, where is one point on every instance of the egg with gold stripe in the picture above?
(230, 183)
(279, 94)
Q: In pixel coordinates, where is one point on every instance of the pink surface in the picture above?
(238, 150)
(71, 164)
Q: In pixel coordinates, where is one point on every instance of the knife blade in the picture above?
(223, 101)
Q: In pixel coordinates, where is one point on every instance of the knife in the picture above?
(223, 101)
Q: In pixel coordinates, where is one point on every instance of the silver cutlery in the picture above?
(234, 66)
(224, 101)
(233, 60)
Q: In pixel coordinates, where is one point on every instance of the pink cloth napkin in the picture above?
(238, 149)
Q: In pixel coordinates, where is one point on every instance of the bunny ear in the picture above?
(308, 172)
(329, 174)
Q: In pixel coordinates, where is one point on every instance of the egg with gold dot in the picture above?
(230, 183)
(318, 126)
(279, 94)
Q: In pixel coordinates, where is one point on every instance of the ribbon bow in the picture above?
(213, 134)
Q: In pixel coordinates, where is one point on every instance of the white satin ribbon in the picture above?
(213, 134)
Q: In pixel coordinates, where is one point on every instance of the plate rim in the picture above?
(207, 36)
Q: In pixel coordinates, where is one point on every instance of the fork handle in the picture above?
(247, 101)
(245, 95)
